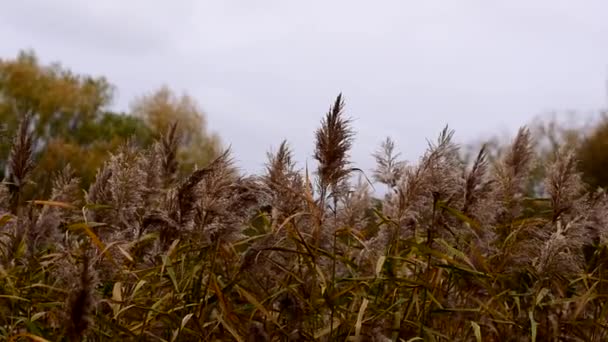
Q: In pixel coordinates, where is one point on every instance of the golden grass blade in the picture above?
(116, 298)
(533, 327)
(231, 329)
(32, 337)
(94, 238)
(476, 331)
(15, 298)
(137, 287)
(251, 299)
(125, 253)
(324, 331)
(380, 265)
(359, 322)
(54, 204)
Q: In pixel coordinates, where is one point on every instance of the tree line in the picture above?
(72, 122)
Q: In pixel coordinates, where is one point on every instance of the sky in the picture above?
(268, 70)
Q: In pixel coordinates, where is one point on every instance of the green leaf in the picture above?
(170, 272)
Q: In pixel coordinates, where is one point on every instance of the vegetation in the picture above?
(593, 153)
(72, 125)
(161, 108)
(451, 253)
(586, 139)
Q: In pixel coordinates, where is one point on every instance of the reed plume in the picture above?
(20, 162)
(333, 142)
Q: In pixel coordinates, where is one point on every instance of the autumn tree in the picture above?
(160, 109)
(70, 118)
(592, 154)
(89, 147)
(58, 100)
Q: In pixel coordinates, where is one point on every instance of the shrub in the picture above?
(451, 253)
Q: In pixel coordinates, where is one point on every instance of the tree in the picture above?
(58, 100)
(160, 109)
(90, 146)
(69, 118)
(592, 154)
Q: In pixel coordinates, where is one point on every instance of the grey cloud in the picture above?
(117, 26)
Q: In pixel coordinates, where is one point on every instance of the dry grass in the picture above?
(451, 253)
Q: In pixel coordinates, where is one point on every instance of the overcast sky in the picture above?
(267, 70)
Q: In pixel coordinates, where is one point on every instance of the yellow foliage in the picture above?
(162, 108)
